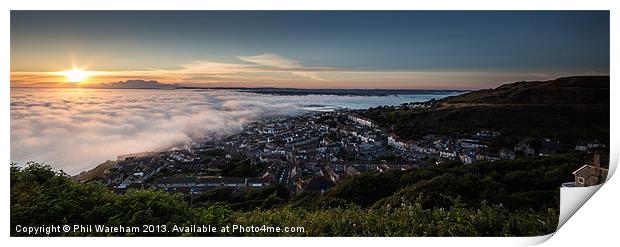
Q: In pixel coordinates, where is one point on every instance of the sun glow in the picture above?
(76, 75)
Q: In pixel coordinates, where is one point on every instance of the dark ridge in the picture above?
(565, 90)
(567, 109)
(325, 91)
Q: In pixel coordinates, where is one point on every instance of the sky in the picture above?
(306, 49)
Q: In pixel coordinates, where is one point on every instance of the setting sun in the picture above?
(75, 75)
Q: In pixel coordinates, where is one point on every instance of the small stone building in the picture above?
(591, 174)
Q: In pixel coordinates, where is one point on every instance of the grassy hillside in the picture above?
(566, 90)
(99, 170)
(567, 109)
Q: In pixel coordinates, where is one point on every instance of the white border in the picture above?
(584, 228)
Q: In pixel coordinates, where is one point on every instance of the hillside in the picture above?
(568, 109)
(99, 170)
(503, 198)
(565, 90)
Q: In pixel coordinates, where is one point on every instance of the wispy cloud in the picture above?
(275, 61)
(271, 60)
(214, 68)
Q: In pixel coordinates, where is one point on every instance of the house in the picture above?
(468, 158)
(488, 134)
(391, 140)
(486, 157)
(234, 182)
(270, 175)
(581, 146)
(351, 171)
(176, 181)
(592, 174)
(384, 168)
(331, 173)
(114, 178)
(526, 147)
(507, 154)
(209, 182)
(594, 145)
(471, 143)
(257, 182)
(447, 154)
(361, 121)
(367, 149)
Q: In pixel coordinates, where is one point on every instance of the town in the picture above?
(310, 152)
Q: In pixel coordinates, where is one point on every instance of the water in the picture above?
(76, 129)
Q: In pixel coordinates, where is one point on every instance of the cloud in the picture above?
(272, 60)
(210, 67)
(75, 129)
(264, 68)
(279, 62)
(309, 74)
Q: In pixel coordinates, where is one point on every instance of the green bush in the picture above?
(468, 200)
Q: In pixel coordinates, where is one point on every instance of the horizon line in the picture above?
(285, 88)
